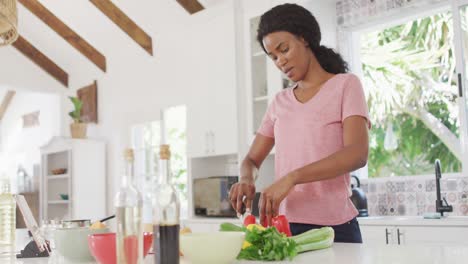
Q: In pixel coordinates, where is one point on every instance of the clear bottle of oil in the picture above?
(128, 205)
(7, 220)
(166, 213)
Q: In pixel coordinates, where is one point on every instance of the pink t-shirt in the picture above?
(308, 132)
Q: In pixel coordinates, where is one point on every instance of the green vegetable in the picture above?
(270, 245)
(227, 227)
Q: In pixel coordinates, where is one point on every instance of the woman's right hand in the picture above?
(243, 188)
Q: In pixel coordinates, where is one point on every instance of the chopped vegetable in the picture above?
(270, 245)
(282, 224)
(249, 219)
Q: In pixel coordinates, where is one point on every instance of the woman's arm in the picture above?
(258, 151)
(351, 157)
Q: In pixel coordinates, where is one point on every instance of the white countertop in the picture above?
(413, 221)
(349, 254)
(372, 220)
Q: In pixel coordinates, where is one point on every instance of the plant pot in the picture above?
(78, 130)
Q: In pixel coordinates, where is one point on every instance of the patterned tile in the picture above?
(463, 209)
(392, 209)
(452, 184)
(463, 197)
(420, 209)
(415, 196)
(382, 198)
(401, 197)
(410, 186)
(410, 197)
(401, 209)
(421, 198)
(430, 185)
(464, 184)
(372, 198)
(391, 198)
(382, 210)
(400, 186)
(452, 197)
(390, 186)
(364, 187)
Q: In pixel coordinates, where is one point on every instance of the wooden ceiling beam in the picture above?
(125, 23)
(192, 6)
(65, 32)
(6, 102)
(25, 47)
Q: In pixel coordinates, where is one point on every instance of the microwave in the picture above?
(211, 196)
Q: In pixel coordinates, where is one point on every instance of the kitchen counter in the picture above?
(413, 221)
(349, 254)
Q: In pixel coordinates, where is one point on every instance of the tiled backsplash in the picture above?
(414, 195)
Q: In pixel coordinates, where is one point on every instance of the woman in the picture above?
(319, 127)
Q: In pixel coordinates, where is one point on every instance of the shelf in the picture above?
(59, 202)
(58, 177)
(261, 98)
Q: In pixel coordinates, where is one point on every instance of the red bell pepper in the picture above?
(249, 219)
(281, 224)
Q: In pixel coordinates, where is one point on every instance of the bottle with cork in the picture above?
(128, 205)
(166, 213)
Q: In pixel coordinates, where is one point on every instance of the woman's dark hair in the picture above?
(297, 20)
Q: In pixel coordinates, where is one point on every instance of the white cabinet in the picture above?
(212, 110)
(412, 235)
(73, 179)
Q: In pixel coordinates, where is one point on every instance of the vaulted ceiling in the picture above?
(75, 39)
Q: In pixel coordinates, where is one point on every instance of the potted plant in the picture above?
(78, 128)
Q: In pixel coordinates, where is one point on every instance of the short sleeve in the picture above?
(267, 126)
(354, 100)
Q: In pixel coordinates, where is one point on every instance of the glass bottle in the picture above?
(166, 213)
(7, 220)
(128, 204)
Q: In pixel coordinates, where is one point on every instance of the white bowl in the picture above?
(211, 248)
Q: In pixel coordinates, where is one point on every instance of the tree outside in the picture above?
(410, 83)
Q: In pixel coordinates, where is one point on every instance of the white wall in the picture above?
(136, 85)
(21, 145)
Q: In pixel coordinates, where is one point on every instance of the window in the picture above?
(146, 140)
(408, 73)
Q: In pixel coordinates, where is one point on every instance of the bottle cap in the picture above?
(165, 152)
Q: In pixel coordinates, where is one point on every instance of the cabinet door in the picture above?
(444, 235)
(377, 235)
(211, 111)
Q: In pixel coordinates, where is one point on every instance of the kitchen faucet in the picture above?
(441, 204)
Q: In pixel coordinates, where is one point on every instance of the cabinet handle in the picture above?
(399, 233)
(386, 235)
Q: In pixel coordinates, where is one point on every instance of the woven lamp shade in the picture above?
(8, 22)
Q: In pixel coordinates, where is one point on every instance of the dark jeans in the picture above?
(348, 232)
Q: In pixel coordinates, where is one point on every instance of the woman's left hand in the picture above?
(271, 198)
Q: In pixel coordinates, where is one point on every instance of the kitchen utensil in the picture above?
(211, 248)
(76, 223)
(72, 243)
(102, 247)
(107, 218)
(359, 198)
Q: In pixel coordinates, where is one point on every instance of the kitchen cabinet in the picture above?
(414, 235)
(76, 192)
(212, 109)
